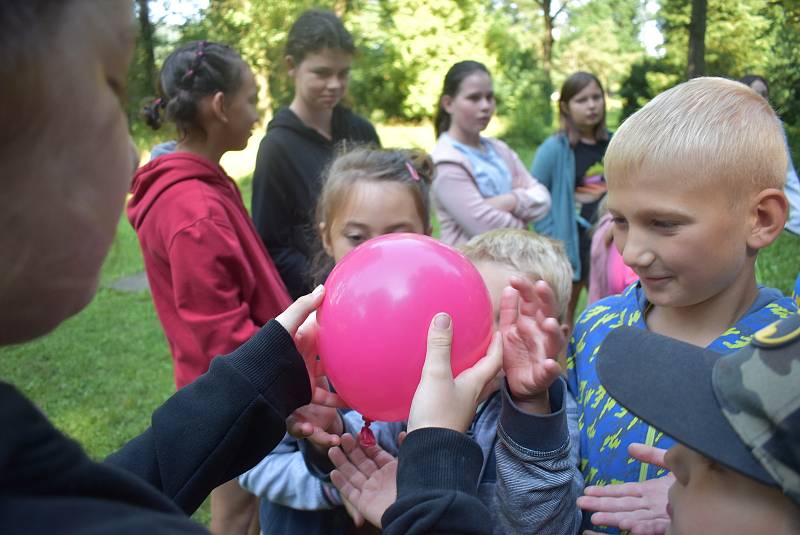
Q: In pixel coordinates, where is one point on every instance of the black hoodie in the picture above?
(287, 182)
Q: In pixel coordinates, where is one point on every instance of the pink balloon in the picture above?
(373, 323)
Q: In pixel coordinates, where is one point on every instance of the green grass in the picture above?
(779, 264)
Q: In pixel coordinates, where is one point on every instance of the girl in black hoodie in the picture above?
(301, 141)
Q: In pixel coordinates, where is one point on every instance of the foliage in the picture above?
(749, 36)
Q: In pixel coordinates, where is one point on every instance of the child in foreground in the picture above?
(737, 464)
(695, 184)
(528, 473)
(66, 167)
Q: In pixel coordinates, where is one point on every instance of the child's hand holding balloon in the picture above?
(441, 400)
(318, 421)
(532, 338)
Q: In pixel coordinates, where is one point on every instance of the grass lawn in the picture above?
(100, 375)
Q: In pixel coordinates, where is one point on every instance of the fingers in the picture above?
(296, 314)
(326, 398)
(657, 526)
(622, 504)
(535, 297)
(509, 308)
(614, 491)
(647, 454)
(437, 358)
(401, 437)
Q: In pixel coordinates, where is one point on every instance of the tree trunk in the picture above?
(146, 39)
(547, 53)
(696, 65)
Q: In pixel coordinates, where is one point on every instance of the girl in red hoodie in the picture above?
(212, 281)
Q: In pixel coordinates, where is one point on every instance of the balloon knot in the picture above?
(366, 438)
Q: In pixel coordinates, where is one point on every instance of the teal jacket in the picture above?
(554, 167)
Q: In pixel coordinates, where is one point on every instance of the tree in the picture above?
(696, 64)
(147, 45)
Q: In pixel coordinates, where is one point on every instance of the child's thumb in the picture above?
(440, 338)
(296, 314)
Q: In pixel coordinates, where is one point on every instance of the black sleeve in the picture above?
(272, 211)
(437, 486)
(223, 423)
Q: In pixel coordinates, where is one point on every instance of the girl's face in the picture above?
(320, 80)
(371, 209)
(241, 111)
(473, 105)
(71, 168)
(587, 108)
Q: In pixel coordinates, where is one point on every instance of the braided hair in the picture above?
(195, 70)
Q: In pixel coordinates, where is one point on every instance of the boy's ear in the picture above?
(768, 214)
(218, 106)
(326, 239)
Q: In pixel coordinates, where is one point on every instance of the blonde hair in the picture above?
(706, 130)
(360, 163)
(529, 254)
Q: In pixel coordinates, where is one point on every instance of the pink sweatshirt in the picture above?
(463, 212)
(608, 274)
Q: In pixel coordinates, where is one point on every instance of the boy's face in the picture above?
(711, 499)
(495, 276)
(685, 242)
(71, 168)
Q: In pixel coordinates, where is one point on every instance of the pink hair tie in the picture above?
(412, 171)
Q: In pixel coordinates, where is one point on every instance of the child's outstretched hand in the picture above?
(532, 339)
(366, 477)
(638, 507)
(318, 421)
(441, 400)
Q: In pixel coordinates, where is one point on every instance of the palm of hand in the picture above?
(524, 362)
(378, 493)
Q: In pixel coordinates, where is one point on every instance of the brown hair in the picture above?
(572, 86)
(377, 165)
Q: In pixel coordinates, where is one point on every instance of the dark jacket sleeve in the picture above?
(223, 423)
(437, 486)
(273, 204)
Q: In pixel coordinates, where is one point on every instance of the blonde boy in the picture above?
(499, 254)
(695, 189)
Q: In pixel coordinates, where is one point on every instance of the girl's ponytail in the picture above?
(190, 73)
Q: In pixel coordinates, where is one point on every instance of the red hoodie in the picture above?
(213, 283)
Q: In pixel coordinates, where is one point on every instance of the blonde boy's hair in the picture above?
(706, 130)
(529, 254)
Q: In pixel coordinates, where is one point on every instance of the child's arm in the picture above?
(439, 466)
(456, 191)
(228, 419)
(275, 202)
(537, 475)
(283, 478)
